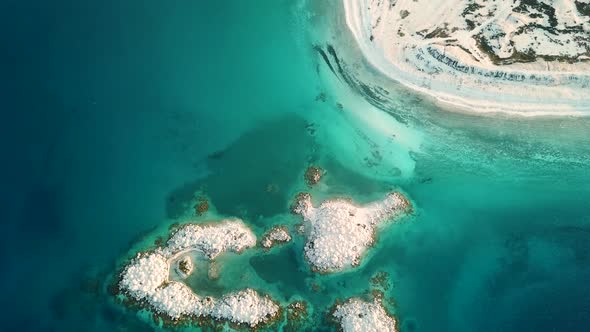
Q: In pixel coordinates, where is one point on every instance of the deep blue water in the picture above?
(115, 112)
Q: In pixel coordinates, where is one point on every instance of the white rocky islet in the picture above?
(146, 277)
(338, 232)
(356, 315)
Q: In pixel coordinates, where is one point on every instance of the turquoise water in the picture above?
(118, 113)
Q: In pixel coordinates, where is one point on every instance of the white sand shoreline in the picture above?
(375, 26)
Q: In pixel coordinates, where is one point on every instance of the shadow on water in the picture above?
(253, 177)
(537, 286)
(283, 267)
(41, 212)
(86, 303)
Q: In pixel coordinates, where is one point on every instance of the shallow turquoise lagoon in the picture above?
(118, 114)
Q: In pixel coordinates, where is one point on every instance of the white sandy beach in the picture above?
(534, 61)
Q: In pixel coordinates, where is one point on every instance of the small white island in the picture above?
(356, 315)
(338, 232)
(147, 277)
(276, 235)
